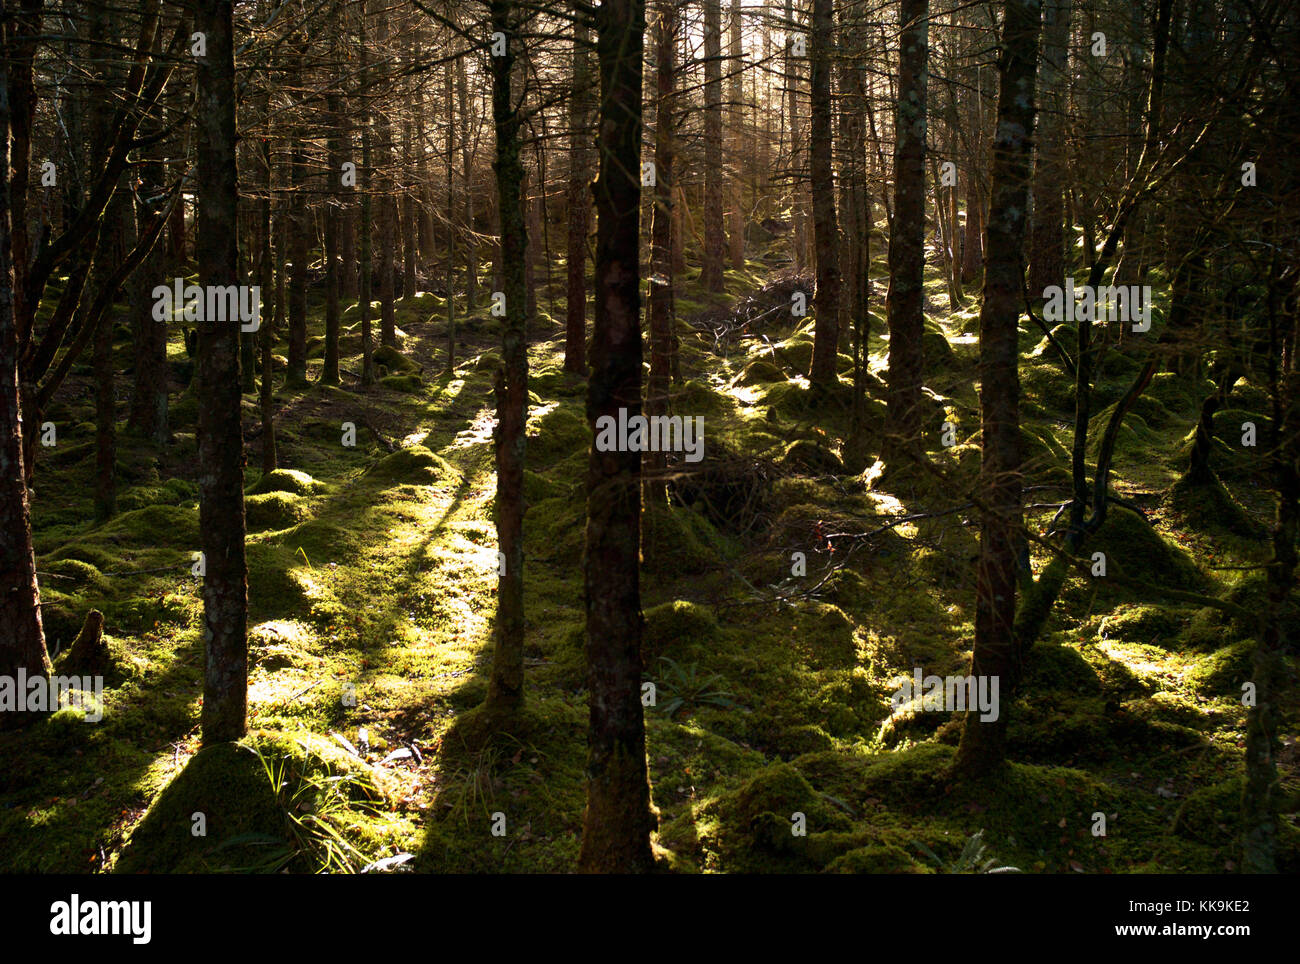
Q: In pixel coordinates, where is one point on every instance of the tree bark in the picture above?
(826, 231)
(996, 652)
(506, 684)
(905, 302)
(618, 818)
(715, 240)
(221, 444)
(579, 201)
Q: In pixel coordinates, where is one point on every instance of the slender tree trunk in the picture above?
(299, 232)
(221, 444)
(826, 231)
(467, 174)
(905, 302)
(661, 243)
(618, 819)
(22, 637)
(736, 113)
(715, 239)
(575, 343)
(996, 654)
(1047, 227)
(333, 312)
(506, 685)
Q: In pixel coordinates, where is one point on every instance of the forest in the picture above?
(649, 436)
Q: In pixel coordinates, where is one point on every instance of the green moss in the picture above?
(415, 465)
(876, 860)
(286, 480)
(758, 372)
(556, 435)
(678, 630)
(403, 383)
(679, 540)
(811, 456)
(1135, 550)
(394, 360)
(1144, 623)
(275, 510)
(227, 785)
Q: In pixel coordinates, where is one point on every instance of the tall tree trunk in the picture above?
(387, 212)
(148, 408)
(1047, 227)
(905, 302)
(661, 243)
(579, 201)
(736, 114)
(996, 654)
(333, 182)
(826, 231)
(299, 232)
(506, 685)
(715, 239)
(618, 820)
(467, 174)
(22, 637)
(221, 443)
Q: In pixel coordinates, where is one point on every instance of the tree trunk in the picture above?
(506, 685)
(826, 231)
(715, 240)
(618, 819)
(334, 181)
(221, 444)
(1047, 231)
(22, 637)
(661, 242)
(905, 302)
(996, 653)
(579, 201)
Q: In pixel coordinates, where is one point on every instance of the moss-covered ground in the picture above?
(372, 571)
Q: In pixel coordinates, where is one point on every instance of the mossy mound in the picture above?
(1136, 551)
(760, 371)
(1145, 623)
(556, 435)
(680, 540)
(1211, 505)
(878, 859)
(74, 576)
(697, 397)
(394, 360)
(555, 531)
(415, 465)
(811, 456)
(677, 629)
(275, 510)
(156, 525)
(824, 635)
(228, 786)
(796, 353)
(751, 829)
(1223, 672)
(286, 480)
(409, 383)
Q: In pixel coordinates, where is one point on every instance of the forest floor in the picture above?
(372, 571)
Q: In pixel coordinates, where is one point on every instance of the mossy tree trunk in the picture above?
(905, 301)
(826, 231)
(506, 685)
(996, 651)
(22, 637)
(221, 448)
(618, 819)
